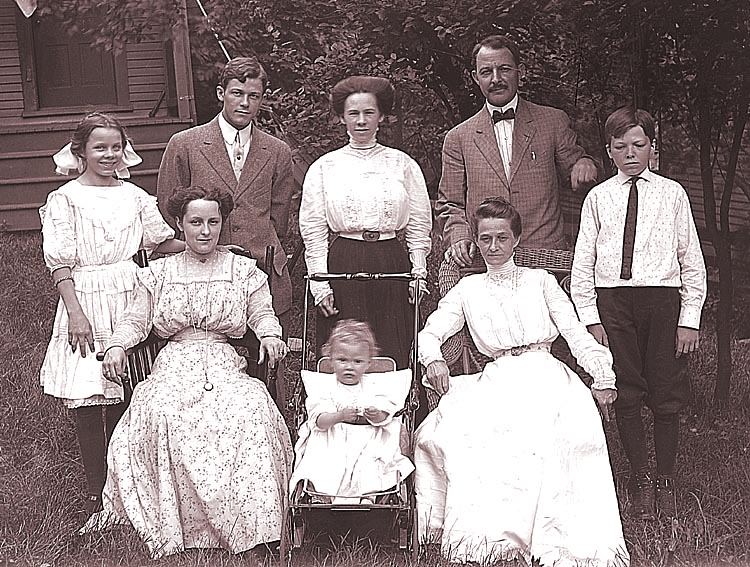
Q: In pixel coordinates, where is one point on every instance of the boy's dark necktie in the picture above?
(628, 239)
(238, 156)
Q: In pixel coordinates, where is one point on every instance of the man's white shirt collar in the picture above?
(228, 132)
(512, 104)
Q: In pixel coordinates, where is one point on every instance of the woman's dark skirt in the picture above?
(383, 304)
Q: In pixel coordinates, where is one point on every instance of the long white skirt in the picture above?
(513, 462)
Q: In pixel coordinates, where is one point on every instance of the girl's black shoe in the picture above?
(93, 504)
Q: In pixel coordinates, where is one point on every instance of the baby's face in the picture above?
(350, 361)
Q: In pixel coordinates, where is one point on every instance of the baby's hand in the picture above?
(348, 415)
(374, 415)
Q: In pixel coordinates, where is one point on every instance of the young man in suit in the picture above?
(255, 167)
(511, 148)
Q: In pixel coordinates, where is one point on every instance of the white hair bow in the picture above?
(66, 161)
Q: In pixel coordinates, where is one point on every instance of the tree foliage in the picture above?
(112, 24)
(684, 60)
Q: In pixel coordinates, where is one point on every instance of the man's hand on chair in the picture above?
(461, 252)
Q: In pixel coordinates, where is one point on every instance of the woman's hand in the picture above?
(605, 398)
(80, 333)
(113, 365)
(422, 289)
(273, 348)
(597, 330)
(327, 307)
(374, 415)
(438, 376)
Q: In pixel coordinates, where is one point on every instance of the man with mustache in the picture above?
(511, 148)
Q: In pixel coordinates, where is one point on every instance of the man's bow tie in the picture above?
(497, 116)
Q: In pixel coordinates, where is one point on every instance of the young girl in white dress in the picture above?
(92, 226)
(349, 446)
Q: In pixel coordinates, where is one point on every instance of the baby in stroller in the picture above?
(349, 447)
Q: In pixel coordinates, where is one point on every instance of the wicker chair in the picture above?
(460, 347)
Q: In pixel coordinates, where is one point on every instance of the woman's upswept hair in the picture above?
(380, 87)
(88, 124)
(496, 208)
(351, 331)
(178, 201)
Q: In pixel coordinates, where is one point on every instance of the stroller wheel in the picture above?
(286, 543)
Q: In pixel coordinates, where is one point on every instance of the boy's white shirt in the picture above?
(667, 250)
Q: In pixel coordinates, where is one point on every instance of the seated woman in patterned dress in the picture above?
(202, 457)
(513, 462)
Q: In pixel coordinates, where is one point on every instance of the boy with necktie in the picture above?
(638, 284)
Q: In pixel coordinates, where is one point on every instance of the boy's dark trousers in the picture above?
(641, 325)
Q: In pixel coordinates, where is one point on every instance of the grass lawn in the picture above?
(42, 481)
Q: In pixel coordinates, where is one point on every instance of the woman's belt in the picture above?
(123, 264)
(518, 350)
(190, 335)
(369, 235)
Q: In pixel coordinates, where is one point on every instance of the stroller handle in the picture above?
(364, 276)
(323, 277)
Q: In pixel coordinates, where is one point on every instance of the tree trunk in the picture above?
(718, 240)
(724, 320)
(724, 255)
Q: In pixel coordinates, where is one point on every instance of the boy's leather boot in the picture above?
(642, 495)
(666, 502)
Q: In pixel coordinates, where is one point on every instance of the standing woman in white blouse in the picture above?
(365, 192)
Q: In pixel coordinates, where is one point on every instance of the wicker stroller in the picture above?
(394, 507)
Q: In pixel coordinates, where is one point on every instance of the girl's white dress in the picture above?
(94, 231)
(350, 460)
(202, 456)
(513, 461)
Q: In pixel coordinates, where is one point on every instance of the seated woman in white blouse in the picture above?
(513, 462)
(365, 192)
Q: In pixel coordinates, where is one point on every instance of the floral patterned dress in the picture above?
(202, 456)
(94, 231)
